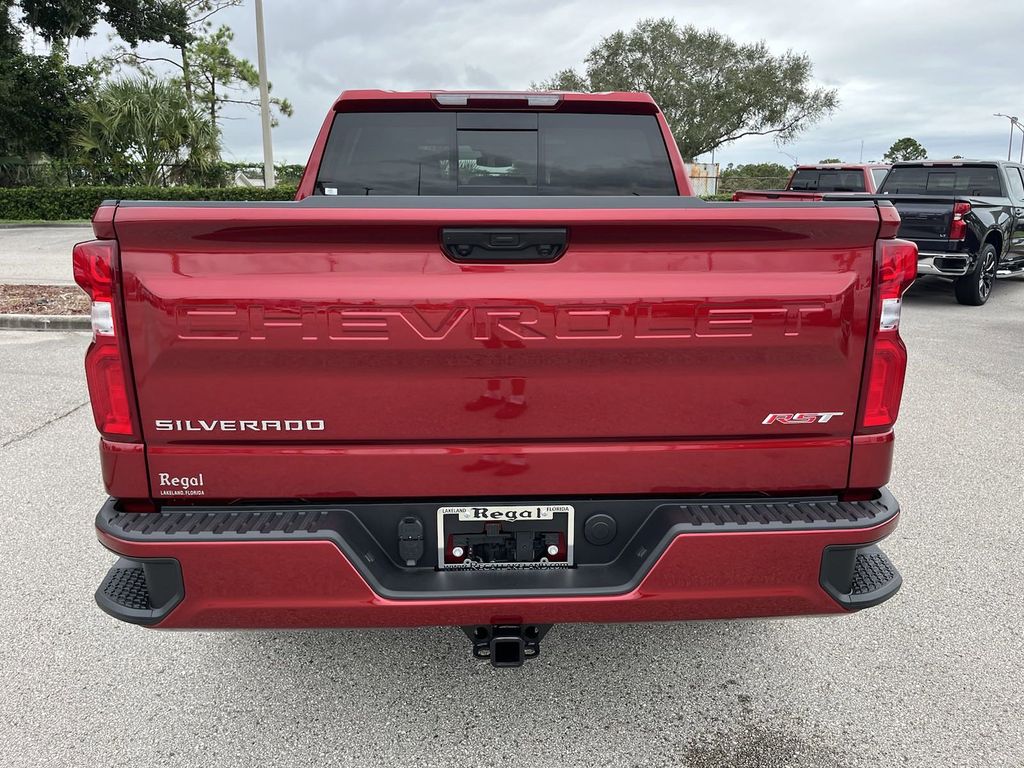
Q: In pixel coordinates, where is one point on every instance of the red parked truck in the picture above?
(811, 182)
(495, 368)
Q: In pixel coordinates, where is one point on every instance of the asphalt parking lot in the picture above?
(39, 254)
(931, 678)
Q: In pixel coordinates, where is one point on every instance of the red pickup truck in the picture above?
(811, 182)
(495, 368)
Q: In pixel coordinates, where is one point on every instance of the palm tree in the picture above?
(143, 131)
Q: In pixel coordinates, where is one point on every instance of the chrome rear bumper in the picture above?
(945, 264)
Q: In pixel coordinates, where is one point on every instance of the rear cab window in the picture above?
(827, 180)
(979, 180)
(494, 153)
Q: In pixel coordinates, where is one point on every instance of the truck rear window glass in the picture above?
(943, 180)
(1013, 178)
(827, 180)
(497, 159)
(430, 153)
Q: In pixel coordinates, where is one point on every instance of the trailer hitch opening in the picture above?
(506, 645)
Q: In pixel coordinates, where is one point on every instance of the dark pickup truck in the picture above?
(966, 217)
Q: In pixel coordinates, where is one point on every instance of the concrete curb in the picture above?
(45, 282)
(45, 322)
(40, 224)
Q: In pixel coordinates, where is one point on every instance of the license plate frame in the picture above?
(558, 518)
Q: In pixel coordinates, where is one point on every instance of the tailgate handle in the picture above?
(487, 245)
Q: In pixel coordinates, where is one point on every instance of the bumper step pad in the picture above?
(141, 592)
(873, 572)
(859, 578)
(127, 588)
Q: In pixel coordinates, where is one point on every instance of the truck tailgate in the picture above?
(330, 349)
(924, 218)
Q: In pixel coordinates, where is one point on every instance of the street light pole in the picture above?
(261, 55)
(1014, 123)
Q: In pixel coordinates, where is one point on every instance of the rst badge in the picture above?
(801, 418)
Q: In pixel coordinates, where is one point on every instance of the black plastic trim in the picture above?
(646, 528)
(859, 577)
(141, 591)
(497, 121)
(489, 245)
(495, 202)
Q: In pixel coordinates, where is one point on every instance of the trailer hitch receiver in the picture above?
(506, 645)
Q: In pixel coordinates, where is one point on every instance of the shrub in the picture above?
(753, 176)
(70, 203)
(64, 203)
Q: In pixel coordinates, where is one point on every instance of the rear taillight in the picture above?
(95, 263)
(958, 227)
(896, 265)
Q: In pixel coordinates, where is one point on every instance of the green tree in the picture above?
(220, 77)
(135, 21)
(209, 72)
(905, 149)
(830, 160)
(712, 89)
(143, 131)
(753, 176)
(39, 111)
(40, 94)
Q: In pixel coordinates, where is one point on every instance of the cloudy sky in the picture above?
(932, 69)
